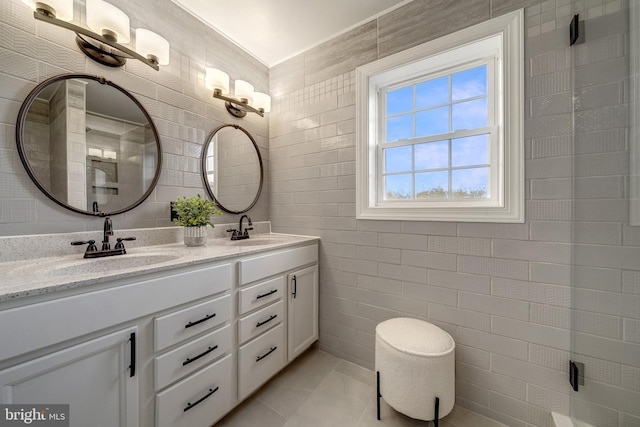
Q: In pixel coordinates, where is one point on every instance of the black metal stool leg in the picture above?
(437, 412)
(378, 394)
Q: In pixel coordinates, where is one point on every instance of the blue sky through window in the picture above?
(469, 83)
(438, 106)
(432, 92)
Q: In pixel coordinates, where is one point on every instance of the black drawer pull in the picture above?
(259, 358)
(197, 322)
(295, 286)
(190, 405)
(267, 294)
(266, 321)
(132, 366)
(209, 350)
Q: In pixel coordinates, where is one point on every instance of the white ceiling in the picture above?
(276, 30)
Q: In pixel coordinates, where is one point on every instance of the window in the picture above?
(440, 129)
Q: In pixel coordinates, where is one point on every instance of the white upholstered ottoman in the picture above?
(415, 368)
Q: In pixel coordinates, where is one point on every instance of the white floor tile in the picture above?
(321, 390)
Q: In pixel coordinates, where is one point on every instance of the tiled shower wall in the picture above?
(503, 291)
(182, 109)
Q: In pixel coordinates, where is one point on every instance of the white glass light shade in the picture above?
(150, 43)
(104, 16)
(216, 79)
(108, 154)
(94, 152)
(244, 90)
(63, 8)
(262, 100)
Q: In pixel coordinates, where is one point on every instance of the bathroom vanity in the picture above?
(163, 336)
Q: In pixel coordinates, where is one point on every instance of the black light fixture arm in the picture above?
(237, 108)
(90, 49)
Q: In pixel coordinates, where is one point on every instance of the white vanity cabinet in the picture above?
(97, 378)
(303, 310)
(272, 284)
(205, 392)
(93, 350)
(179, 347)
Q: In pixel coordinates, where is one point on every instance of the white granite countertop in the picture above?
(25, 278)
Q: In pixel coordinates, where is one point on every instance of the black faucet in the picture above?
(93, 252)
(108, 231)
(246, 230)
(239, 234)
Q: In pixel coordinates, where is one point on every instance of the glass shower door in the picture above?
(605, 289)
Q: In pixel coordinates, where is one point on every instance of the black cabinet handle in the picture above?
(266, 321)
(267, 294)
(573, 375)
(193, 405)
(132, 366)
(259, 358)
(295, 286)
(209, 350)
(197, 322)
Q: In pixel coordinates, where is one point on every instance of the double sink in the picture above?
(140, 258)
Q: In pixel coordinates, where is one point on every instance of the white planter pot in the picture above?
(195, 236)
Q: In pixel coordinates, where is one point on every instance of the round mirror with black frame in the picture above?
(88, 144)
(232, 168)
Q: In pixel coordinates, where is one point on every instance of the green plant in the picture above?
(194, 211)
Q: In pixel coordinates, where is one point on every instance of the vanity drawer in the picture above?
(260, 359)
(262, 266)
(260, 321)
(180, 325)
(195, 354)
(199, 400)
(260, 295)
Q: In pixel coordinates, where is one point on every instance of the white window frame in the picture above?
(506, 52)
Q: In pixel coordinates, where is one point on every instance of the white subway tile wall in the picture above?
(502, 290)
(510, 294)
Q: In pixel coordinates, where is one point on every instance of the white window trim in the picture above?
(510, 207)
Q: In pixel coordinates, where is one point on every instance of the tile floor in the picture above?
(320, 390)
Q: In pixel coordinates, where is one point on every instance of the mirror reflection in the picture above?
(232, 168)
(88, 144)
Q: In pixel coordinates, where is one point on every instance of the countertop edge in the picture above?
(216, 250)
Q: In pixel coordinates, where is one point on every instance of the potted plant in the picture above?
(194, 214)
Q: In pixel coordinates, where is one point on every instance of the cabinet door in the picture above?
(97, 379)
(303, 310)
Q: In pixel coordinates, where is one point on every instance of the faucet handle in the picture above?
(119, 240)
(91, 243)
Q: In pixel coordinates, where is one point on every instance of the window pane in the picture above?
(470, 114)
(400, 128)
(473, 150)
(470, 183)
(432, 92)
(397, 159)
(400, 101)
(397, 187)
(469, 83)
(432, 122)
(432, 155)
(432, 185)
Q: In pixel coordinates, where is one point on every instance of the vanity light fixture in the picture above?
(245, 100)
(108, 30)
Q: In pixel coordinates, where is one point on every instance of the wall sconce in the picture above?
(110, 28)
(245, 100)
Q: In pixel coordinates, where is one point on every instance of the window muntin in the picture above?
(454, 167)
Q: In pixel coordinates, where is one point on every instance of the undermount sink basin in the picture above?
(110, 264)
